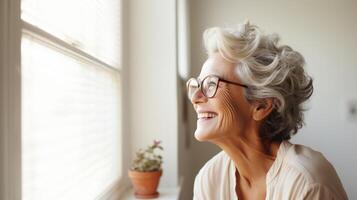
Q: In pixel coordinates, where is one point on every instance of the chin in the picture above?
(203, 136)
(199, 137)
(206, 130)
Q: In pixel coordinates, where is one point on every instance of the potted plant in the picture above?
(146, 171)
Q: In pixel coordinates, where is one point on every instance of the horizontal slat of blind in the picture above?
(70, 125)
(91, 25)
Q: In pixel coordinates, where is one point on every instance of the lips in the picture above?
(206, 115)
(203, 115)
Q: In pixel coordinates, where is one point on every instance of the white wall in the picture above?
(325, 33)
(152, 64)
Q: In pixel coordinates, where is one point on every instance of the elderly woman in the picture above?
(249, 101)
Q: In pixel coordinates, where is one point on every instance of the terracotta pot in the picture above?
(145, 183)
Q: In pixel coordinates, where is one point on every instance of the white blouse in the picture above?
(298, 172)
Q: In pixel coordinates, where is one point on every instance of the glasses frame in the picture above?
(201, 82)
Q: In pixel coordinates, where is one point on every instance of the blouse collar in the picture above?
(274, 169)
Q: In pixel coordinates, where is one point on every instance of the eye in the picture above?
(212, 84)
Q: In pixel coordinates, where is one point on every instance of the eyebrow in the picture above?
(223, 77)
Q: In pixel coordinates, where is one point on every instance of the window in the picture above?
(71, 98)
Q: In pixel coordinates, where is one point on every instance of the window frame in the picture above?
(11, 99)
(12, 28)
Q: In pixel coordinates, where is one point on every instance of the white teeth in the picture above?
(206, 115)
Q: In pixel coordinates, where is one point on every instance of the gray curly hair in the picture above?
(270, 71)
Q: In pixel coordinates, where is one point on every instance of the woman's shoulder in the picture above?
(211, 181)
(311, 163)
(215, 165)
(312, 169)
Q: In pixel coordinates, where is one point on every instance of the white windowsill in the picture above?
(165, 194)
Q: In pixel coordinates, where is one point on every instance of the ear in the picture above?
(262, 108)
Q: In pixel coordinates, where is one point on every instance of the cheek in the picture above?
(233, 114)
(229, 112)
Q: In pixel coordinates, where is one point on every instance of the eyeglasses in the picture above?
(208, 85)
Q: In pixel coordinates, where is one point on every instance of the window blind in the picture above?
(71, 114)
(90, 25)
(71, 122)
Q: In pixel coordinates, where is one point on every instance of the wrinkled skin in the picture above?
(234, 111)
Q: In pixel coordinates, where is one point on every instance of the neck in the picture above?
(253, 157)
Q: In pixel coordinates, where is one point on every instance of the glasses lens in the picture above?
(192, 87)
(209, 86)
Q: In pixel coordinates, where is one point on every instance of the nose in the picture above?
(198, 97)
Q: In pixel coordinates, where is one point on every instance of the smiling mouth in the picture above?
(206, 116)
